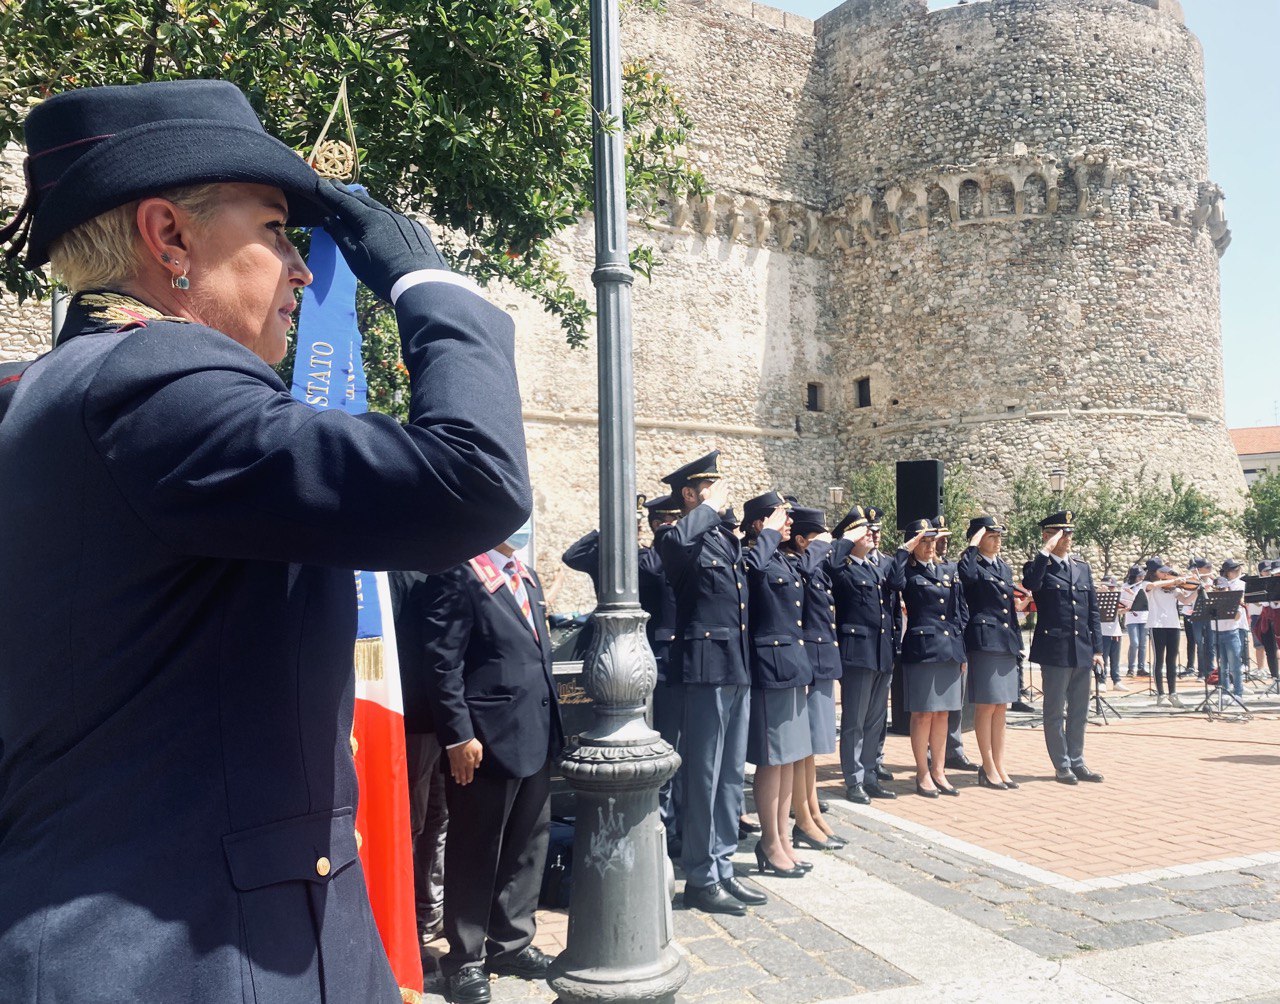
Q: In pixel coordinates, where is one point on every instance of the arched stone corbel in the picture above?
(736, 219)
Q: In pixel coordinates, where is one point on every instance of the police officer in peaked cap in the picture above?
(1067, 643)
(703, 562)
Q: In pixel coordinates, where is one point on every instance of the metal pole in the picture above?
(620, 945)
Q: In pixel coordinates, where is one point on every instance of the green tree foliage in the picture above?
(475, 113)
(1259, 523)
(1126, 519)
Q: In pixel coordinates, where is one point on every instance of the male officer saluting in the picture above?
(864, 618)
(703, 562)
(882, 561)
(1067, 644)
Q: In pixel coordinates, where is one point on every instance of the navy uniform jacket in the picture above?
(704, 564)
(1068, 623)
(177, 791)
(820, 638)
(936, 611)
(988, 593)
(776, 626)
(864, 610)
(657, 598)
(488, 676)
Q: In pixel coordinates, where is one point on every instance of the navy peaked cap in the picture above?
(807, 521)
(761, 506)
(703, 469)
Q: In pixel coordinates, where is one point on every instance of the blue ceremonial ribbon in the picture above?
(328, 371)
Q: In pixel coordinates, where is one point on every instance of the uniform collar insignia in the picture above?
(104, 307)
(488, 574)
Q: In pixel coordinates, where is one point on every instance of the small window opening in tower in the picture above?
(864, 392)
(815, 398)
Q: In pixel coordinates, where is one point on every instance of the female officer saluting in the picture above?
(992, 643)
(177, 791)
(932, 649)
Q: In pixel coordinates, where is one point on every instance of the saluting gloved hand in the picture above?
(378, 243)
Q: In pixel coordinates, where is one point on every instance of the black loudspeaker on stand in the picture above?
(919, 490)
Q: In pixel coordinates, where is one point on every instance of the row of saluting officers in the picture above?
(751, 623)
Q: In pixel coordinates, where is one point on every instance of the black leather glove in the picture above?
(378, 243)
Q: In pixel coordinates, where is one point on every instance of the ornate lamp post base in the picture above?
(620, 939)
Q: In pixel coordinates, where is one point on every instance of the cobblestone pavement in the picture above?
(1005, 923)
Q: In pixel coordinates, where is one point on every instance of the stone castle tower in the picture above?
(984, 233)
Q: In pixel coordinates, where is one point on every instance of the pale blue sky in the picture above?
(1240, 39)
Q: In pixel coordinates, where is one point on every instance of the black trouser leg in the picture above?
(494, 857)
(1165, 641)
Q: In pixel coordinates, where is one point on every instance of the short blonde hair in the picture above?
(103, 253)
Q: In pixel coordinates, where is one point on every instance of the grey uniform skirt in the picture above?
(993, 678)
(932, 686)
(822, 716)
(779, 730)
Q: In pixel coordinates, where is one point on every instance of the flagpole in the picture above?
(620, 946)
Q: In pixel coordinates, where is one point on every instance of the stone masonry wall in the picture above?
(1034, 271)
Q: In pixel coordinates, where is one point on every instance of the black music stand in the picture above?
(1263, 589)
(1108, 608)
(1220, 605)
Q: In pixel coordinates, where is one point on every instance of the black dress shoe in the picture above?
(857, 793)
(746, 828)
(1022, 706)
(877, 791)
(835, 843)
(824, 806)
(984, 781)
(529, 964)
(743, 894)
(926, 792)
(766, 867)
(946, 789)
(802, 839)
(713, 899)
(1085, 774)
(1065, 777)
(884, 773)
(960, 763)
(469, 985)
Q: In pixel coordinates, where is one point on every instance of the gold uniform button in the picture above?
(707, 635)
(775, 644)
(323, 867)
(946, 632)
(943, 617)
(799, 623)
(742, 606)
(797, 602)
(833, 607)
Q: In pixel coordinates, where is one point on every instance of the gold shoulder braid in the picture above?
(106, 307)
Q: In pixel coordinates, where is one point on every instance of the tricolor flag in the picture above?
(328, 373)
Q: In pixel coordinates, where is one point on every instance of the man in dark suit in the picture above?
(864, 620)
(1067, 644)
(703, 562)
(494, 704)
(875, 517)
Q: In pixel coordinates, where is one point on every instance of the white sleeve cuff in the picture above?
(417, 278)
(455, 745)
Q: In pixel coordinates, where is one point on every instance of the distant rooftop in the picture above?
(1259, 439)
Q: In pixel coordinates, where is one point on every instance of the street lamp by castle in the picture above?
(620, 946)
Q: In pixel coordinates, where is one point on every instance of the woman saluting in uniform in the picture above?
(932, 649)
(177, 791)
(992, 643)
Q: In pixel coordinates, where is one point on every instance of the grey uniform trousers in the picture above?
(668, 722)
(1066, 713)
(715, 754)
(864, 702)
